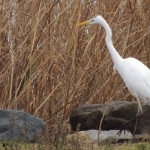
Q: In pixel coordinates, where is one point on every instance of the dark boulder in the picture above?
(114, 114)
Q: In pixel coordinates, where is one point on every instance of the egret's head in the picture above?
(97, 20)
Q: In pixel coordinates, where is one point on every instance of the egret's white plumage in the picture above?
(133, 72)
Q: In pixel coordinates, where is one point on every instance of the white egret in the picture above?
(134, 73)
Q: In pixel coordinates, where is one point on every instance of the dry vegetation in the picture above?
(49, 66)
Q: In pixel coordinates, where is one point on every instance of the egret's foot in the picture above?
(124, 129)
(127, 123)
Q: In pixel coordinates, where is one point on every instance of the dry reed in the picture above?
(48, 66)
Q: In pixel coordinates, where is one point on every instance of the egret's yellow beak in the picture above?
(83, 23)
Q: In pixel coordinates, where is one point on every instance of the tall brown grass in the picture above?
(49, 66)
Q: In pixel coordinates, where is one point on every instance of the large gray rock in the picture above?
(114, 114)
(20, 126)
(97, 138)
(94, 136)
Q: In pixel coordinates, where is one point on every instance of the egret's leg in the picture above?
(140, 110)
(139, 113)
(135, 128)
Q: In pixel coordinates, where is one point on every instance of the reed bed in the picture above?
(49, 66)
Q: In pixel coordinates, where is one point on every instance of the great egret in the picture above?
(133, 72)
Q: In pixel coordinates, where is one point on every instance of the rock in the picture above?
(85, 117)
(91, 137)
(20, 126)
(114, 115)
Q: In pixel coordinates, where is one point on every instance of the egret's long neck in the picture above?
(114, 54)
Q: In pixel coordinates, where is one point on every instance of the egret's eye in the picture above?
(92, 20)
